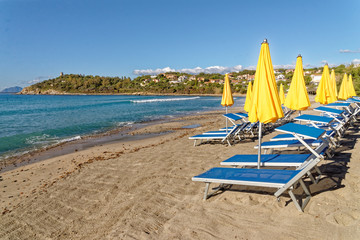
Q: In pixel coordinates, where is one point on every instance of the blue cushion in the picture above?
(289, 142)
(250, 175)
(302, 130)
(338, 104)
(232, 116)
(314, 118)
(275, 158)
(330, 110)
(208, 136)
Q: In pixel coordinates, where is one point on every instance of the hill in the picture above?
(12, 90)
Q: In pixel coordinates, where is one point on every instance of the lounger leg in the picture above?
(306, 190)
(195, 143)
(317, 169)
(328, 153)
(206, 191)
(293, 198)
(297, 202)
(311, 177)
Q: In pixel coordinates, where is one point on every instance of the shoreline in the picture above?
(114, 135)
(20, 157)
(57, 166)
(135, 94)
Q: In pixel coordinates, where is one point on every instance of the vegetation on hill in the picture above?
(174, 82)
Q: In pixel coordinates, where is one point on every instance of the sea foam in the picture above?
(163, 100)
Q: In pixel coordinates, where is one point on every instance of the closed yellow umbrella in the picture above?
(332, 92)
(323, 94)
(248, 98)
(282, 94)
(352, 92)
(265, 102)
(297, 97)
(333, 82)
(227, 98)
(343, 92)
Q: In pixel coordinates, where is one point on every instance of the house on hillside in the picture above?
(289, 71)
(192, 78)
(315, 78)
(171, 76)
(221, 81)
(280, 77)
(182, 78)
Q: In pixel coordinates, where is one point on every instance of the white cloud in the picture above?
(355, 61)
(349, 51)
(33, 81)
(286, 66)
(197, 70)
(251, 68)
(39, 79)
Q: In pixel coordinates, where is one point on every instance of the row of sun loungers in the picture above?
(228, 134)
(319, 136)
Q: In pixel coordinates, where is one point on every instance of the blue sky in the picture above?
(41, 38)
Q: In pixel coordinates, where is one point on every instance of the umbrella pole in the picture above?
(259, 149)
(226, 120)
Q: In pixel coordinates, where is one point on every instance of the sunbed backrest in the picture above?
(301, 130)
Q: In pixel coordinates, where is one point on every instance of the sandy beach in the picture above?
(143, 190)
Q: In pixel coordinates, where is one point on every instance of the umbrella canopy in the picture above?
(333, 82)
(343, 92)
(265, 102)
(352, 92)
(248, 98)
(297, 97)
(227, 98)
(282, 94)
(323, 92)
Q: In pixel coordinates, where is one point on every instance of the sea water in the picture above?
(30, 122)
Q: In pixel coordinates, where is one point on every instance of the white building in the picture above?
(280, 77)
(315, 78)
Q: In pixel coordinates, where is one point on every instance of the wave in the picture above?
(70, 139)
(163, 100)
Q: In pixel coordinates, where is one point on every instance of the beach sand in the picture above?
(143, 190)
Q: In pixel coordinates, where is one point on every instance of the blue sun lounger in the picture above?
(322, 122)
(339, 115)
(219, 136)
(297, 136)
(238, 132)
(288, 160)
(233, 118)
(347, 106)
(282, 180)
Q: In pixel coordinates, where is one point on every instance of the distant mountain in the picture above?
(12, 90)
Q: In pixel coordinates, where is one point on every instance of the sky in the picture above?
(41, 38)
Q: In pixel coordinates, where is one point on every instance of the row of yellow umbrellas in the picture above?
(346, 88)
(297, 97)
(327, 92)
(263, 102)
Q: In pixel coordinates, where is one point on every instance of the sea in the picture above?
(32, 122)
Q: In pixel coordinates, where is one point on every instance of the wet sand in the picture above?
(143, 190)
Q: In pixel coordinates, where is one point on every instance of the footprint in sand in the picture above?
(344, 218)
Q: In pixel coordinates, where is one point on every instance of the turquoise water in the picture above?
(31, 122)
